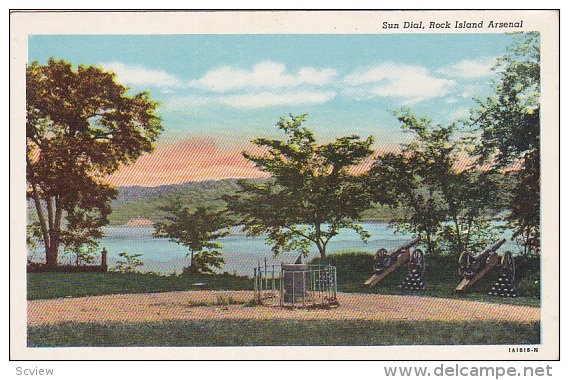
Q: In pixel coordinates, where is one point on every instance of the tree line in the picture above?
(452, 181)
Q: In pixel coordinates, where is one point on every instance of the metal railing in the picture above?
(295, 285)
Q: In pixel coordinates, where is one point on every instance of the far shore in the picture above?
(144, 222)
(138, 222)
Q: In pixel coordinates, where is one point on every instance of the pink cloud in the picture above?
(191, 159)
(202, 158)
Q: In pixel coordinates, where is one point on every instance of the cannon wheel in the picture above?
(381, 252)
(464, 261)
(417, 261)
(508, 264)
(382, 259)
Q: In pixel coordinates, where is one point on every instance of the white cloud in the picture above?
(451, 100)
(142, 76)
(264, 75)
(252, 101)
(459, 114)
(470, 68)
(410, 83)
(269, 99)
(473, 90)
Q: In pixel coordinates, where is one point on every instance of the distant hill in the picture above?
(136, 205)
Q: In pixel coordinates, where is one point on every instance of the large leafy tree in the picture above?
(312, 192)
(198, 231)
(509, 125)
(445, 197)
(81, 126)
(508, 120)
(396, 181)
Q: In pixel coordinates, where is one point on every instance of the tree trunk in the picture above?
(319, 242)
(430, 244)
(458, 237)
(41, 217)
(52, 253)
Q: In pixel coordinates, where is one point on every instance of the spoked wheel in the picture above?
(508, 264)
(417, 263)
(382, 260)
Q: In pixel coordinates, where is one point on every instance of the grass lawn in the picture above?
(281, 332)
(58, 285)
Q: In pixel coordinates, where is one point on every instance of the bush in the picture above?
(350, 266)
(127, 263)
(528, 276)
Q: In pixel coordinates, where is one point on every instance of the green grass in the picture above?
(57, 285)
(281, 332)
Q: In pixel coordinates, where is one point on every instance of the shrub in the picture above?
(127, 263)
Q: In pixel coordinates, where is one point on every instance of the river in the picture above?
(241, 253)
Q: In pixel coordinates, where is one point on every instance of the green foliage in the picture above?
(508, 123)
(445, 196)
(128, 263)
(351, 267)
(509, 119)
(525, 218)
(80, 127)
(312, 193)
(197, 231)
(33, 237)
(84, 253)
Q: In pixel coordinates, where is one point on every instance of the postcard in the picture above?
(284, 185)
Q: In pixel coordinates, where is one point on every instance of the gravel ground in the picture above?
(200, 305)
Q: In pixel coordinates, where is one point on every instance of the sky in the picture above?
(218, 92)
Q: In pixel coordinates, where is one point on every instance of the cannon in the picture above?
(472, 268)
(386, 262)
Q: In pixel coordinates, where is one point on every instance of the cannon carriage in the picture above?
(472, 268)
(386, 262)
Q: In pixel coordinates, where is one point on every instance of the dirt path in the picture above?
(195, 305)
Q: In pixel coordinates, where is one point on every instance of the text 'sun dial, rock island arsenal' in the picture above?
(455, 24)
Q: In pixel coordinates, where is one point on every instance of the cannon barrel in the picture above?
(409, 244)
(493, 248)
